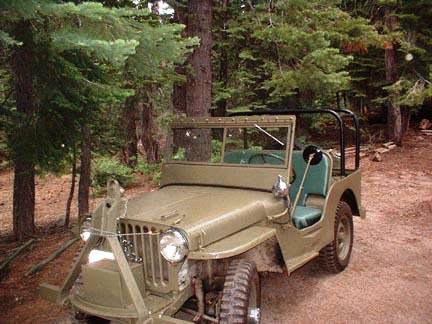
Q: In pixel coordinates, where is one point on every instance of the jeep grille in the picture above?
(145, 244)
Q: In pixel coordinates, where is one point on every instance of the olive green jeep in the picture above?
(238, 196)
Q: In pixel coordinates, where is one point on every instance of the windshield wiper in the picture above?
(268, 134)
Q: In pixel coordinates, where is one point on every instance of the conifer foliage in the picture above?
(63, 64)
(283, 53)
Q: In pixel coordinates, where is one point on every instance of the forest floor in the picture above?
(389, 278)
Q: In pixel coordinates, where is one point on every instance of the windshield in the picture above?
(255, 144)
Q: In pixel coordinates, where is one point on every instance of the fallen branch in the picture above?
(38, 267)
(381, 150)
(4, 265)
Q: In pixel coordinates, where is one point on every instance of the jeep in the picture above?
(239, 195)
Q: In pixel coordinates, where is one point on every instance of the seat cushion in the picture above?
(305, 216)
(317, 178)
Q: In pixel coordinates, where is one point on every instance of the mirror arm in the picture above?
(276, 216)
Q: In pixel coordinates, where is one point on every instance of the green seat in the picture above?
(316, 183)
(317, 178)
(306, 216)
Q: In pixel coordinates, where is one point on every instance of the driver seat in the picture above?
(316, 183)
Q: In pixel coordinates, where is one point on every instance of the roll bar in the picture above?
(336, 113)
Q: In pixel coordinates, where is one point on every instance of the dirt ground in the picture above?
(389, 279)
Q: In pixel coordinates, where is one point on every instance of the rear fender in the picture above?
(347, 189)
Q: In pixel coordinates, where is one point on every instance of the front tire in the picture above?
(81, 318)
(336, 256)
(241, 295)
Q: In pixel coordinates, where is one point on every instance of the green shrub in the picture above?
(105, 168)
(153, 171)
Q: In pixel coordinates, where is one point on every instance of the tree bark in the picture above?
(72, 190)
(394, 117)
(149, 130)
(199, 81)
(406, 119)
(85, 173)
(23, 199)
(24, 168)
(130, 149)
(220, 110)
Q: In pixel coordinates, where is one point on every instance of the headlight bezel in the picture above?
(170, 239)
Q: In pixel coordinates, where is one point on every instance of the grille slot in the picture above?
(146, 245)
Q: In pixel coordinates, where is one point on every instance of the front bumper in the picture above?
(160, 309)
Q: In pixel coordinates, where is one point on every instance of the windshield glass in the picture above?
(258, 145)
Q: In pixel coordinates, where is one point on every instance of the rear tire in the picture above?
(336, 256)
(241, 295)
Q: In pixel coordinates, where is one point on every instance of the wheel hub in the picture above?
(254, 315)
(343, 238)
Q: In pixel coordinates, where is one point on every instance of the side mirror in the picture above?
(317, 154)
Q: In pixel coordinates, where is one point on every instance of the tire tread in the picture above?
(235, 296)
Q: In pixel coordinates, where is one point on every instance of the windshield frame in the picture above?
(225, 123)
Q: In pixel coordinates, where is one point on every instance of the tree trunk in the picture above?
(394, 118)
(199, 81)
(72, 190)
(130, 149)
(220, 110)
(24, 169)
(149, 130)
(406, 119)
(23, 199)
(85, 173)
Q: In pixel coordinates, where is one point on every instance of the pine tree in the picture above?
(396, 72)
(277, 54)
(64, 63)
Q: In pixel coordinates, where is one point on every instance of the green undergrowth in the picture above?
(152, 170)
(105, 168)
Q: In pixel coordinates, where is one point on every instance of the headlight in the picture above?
(173, 245)
(86, 229)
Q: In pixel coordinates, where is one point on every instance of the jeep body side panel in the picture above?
(300, 246)
(235, 244)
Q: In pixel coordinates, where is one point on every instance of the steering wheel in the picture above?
(263, 157)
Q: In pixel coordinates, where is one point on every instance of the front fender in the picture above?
(234, 244)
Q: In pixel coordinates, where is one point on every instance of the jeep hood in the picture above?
(206, 214)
